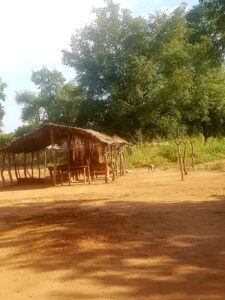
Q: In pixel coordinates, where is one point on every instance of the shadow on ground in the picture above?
(146, 250)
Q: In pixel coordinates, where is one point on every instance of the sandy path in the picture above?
(147, 236)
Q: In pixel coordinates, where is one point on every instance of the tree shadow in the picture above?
(132, 250)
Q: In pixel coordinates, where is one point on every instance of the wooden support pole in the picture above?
(53, 156)
(68, 157)
(192, 155)
(84, 175)
(38, 165)
(88, 171)
(45, 162)
(180, 160)
(18, 164)
(15, 166)
(2, 170)
(116, 162)
(32, 164)
(112, 165)
(184, 158)
(25, 165)
(123, 162)
(106, 169)
(9, 168)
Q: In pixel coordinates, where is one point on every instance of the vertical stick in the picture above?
(88, 172)
(120, 161)
(88, 163)
(180, 159)
(18, 168)
(84, 175)
(68, 157)
(53, 156)
(112, 164)
(124, 163)
(116, 159)
(184, 158)
(15, 166)
(32, 164)
(45, 163)
(2, 170)
(9, 168)
(25, 165)
(106, 169)
(192, 155)
(38, 164)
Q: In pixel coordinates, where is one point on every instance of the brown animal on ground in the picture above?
(151, 167)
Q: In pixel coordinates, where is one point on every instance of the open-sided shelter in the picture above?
(88, 152)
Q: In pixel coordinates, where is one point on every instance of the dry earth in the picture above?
(146, 236)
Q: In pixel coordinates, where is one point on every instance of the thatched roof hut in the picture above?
(84, 147)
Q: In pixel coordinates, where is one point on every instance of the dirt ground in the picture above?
(146, 236)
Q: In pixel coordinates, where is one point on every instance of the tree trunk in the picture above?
(184, 158)
(180, 160)
(192, 155)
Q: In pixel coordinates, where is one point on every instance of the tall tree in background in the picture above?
(216, 14)
(55, 101)
(137, 76)
(109, 56)
(204, 28)
(2, 98)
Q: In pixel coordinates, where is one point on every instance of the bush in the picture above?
(165, 153)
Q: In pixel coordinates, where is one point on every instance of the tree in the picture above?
(216, 13)
(2, 98)
(204, 29)
(139, 73)
(24, 129)
(55, 102)
(107, 55)
(5, 139)
(32, 110)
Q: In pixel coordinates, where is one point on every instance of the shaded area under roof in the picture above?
(41, 138)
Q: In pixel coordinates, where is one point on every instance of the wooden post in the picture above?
(112, 164)
(32, 164)
(124, 163)
(88, 171)
(18, 169)
(45, 163)
(53, 156)
(122, 167)
(38, 165)
(15, 166)
(184, 158)
(180, 159)
(88, 163)
(84, 175)
(68, 157)
(192, 155)
(25, 165)
(9, 168)
(116, 161)
(106, 169)
(2, 170)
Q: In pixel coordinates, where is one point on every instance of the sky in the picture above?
(33, 34)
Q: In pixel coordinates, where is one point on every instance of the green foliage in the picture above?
(5, 139)
(164, 154)
(55, 102)
(216, 14)
(24, 129)
(136, 77)
(2, 98)
(155, 76)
